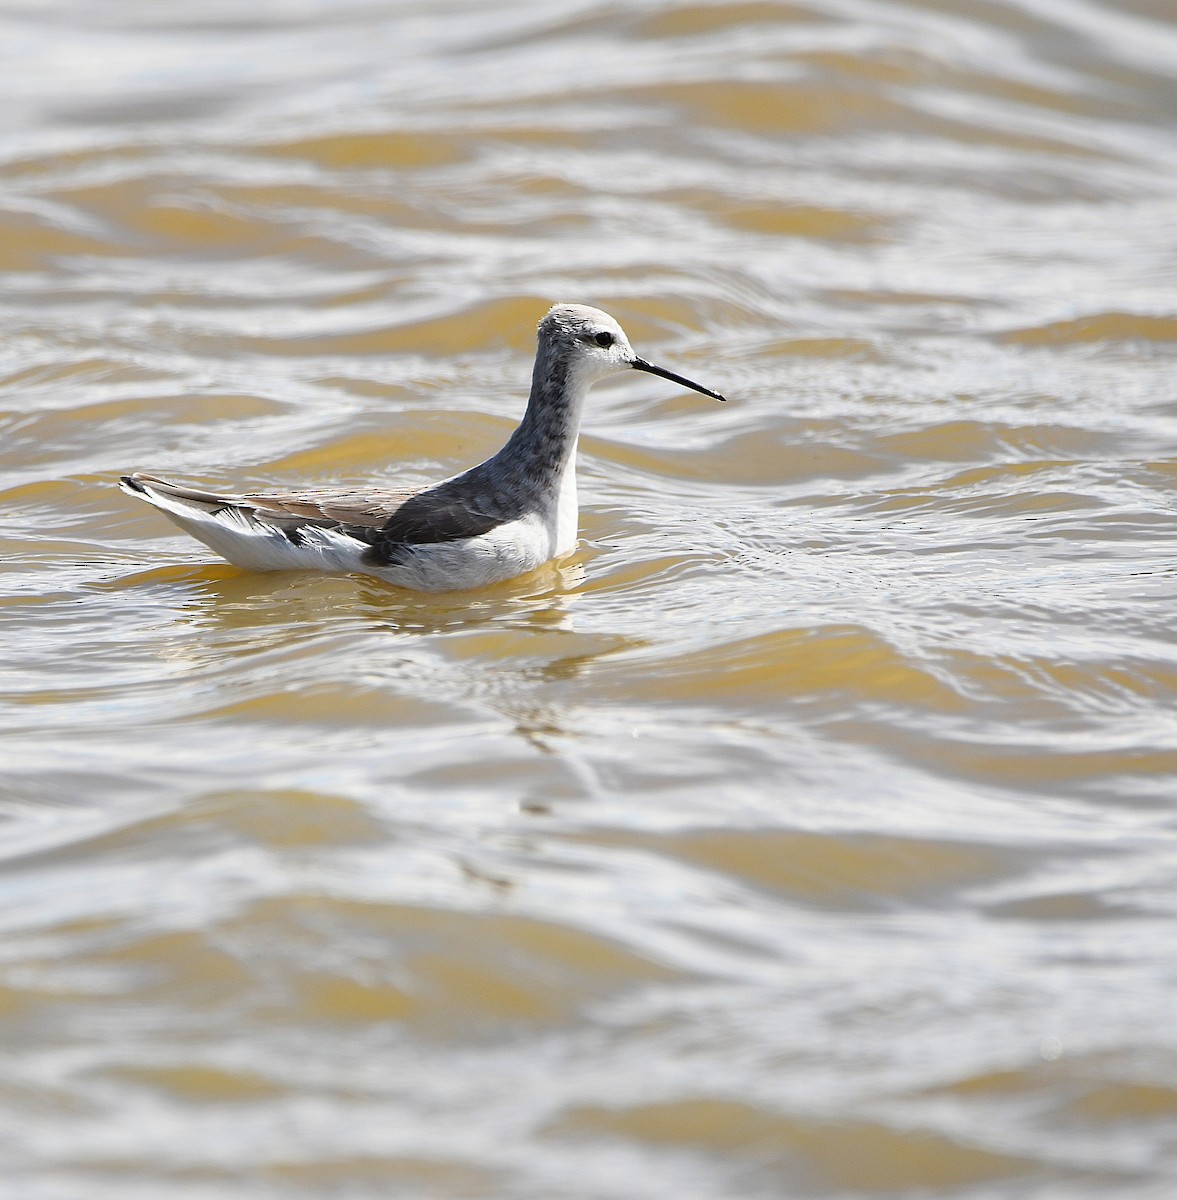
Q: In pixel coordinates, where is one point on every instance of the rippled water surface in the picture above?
(810, 832)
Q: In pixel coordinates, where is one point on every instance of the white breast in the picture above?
(566, 526)
(505, 552)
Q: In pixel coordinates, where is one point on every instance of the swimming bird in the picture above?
(502, 518)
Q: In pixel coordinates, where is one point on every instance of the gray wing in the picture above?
(386, 518)
(363, 508)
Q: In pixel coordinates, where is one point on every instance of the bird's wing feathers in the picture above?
(368, 508)
(382, 516)
(439, 515)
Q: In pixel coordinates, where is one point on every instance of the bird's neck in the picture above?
(545, 442)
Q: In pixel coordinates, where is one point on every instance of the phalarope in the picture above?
(497, 520)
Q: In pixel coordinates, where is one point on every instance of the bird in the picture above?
(495, 521)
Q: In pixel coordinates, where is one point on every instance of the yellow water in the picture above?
(811, 832)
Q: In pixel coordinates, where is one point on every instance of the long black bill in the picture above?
(640, 364)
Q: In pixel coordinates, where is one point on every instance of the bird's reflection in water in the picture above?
(297, 602)
(334, 648)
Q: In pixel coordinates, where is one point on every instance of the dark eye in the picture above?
(604, 339)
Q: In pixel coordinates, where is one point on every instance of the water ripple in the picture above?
(810, 830)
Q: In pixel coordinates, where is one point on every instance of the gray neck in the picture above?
(526, 473)
(546, 438)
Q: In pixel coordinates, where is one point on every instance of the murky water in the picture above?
(811, 832)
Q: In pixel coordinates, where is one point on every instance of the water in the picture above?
(810, 834)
